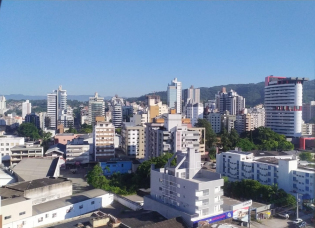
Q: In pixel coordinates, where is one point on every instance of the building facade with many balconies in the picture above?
(103, 140)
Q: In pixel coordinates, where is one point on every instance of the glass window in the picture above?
(54, 215)
(22, 213)
(7, 217)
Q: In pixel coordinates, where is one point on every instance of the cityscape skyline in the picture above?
(125, 44)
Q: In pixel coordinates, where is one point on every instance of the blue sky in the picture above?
(131, 48)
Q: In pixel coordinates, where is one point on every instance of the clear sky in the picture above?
(131, 48)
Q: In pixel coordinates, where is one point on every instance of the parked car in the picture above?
(301, 225)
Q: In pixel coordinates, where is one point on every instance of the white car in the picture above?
(297, 221)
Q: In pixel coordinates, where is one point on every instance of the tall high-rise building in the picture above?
(155, 107)
(117, 115)
(194, 112)
(229, 101)
(190, 96)
(56, 106)
(96, 108)
(33, 118)
(3, 105)
(283, 105)
(52, 112)
(26, 108)
(174, 95)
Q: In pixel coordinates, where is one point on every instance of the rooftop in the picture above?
(14, 200)
(36, 168)
(59, 148)
(36, 146)
(68, 200)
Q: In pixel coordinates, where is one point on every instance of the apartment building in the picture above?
(194, 111)
(155, 107)
(32, 118)
(7, 142)
(269, 170)
(26, 108)
(185, 190)
(96, 108)
(174, 95)
(103, 140)
(117, 104)
(215, 121)
(169, 134)
(308, 111)
(3, 105)
(229, 101)
(228, 121)
(28, 150)
(283, 105)
(77, 154)
(133, 140)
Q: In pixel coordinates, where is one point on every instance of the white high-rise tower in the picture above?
(26, 108)
(283, 105)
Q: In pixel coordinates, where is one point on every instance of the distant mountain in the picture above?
(253, 92)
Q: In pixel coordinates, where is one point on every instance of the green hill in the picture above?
(253, 92)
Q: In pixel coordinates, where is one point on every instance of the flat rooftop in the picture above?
(26, 185)
(14, 200)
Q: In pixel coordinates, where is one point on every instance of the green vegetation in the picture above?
(85, 129)
(306, 156)
(252, 189)
(246, 144)
(71, 130)
(125, 184)
(118, 131)
(211, 137)
(28, 130)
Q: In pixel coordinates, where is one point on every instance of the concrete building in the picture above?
(133, 140)
(194, 111)
(28, 150)
(283, 105)
(174, 95)
(308, 111)
(229, 101)
(250, 119)
(103, 141)
(7, 142)
(33, 118)
(117, 104)
(54, 211)
(26, 108)
(78, 154)
(269, 170)
(3, 105)
(190, 96)
(6, 178)
(96, 108)
(155, 107)
(52, 112)
(169, 134)
(228, 121)
(185, 190)
(307, 129)
(36, 168)
(66, 138)
(116, 166)
(42, 120)
(215, 121)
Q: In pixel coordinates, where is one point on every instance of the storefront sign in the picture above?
(213, 219)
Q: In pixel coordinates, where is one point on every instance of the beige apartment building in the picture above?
(133, 140)
(103, 140)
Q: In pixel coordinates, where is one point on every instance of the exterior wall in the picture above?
(16, 211)
(215, 121)
(20, 152)
(286, 175)
(103, 140)
(133, 141)
(65, 138)
(153, 112)
(127, 203)
(174, 95)
(65, 212)
(6, 143)
(77, 153)
(26, 108)
(96, 108)
(111, 167)
(52, 109)
(49, 192)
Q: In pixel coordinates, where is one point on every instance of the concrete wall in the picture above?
(17, 211)
(50, 192)
(166, 210)
(128, 203)
(63, 213)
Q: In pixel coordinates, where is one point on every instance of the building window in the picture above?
(81, 207)
(92, 202)
(160, 188)
(22, 213)
(54, 215)
(205, 211)
(47, 216)
(40, 219)
(7, 217)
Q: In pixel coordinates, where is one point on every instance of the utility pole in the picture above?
(249, 215)
(297, 205)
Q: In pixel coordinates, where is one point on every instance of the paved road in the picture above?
(282, 223)
(79, 183)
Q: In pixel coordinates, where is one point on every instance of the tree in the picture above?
(46, 137)
(246, 144)
(72, 130)
(305, 156)
(85, 129)
(233, 138)
(225, 140)
(96, 178)
(28, 130)
(211, 137)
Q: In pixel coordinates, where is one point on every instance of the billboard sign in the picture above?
(212, 219)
